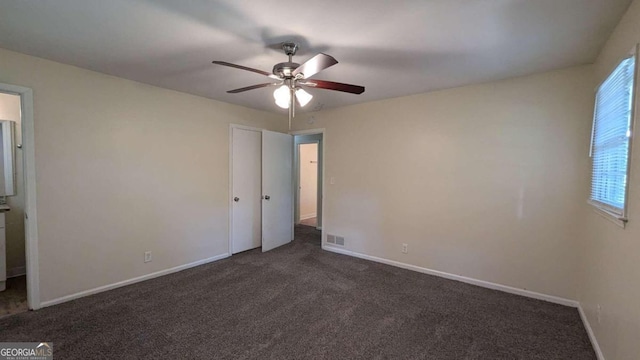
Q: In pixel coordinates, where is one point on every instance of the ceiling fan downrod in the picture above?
(285, 70)
(292, 101)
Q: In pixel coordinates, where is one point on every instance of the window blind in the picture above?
(610, 138)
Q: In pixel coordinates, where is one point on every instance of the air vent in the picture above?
(339, 240)
(331, 239)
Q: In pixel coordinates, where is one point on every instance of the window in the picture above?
(611, 140)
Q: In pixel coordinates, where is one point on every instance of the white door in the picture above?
(277, 189)
(246, 193)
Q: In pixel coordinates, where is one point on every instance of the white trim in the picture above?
(307, 216)
(16, 271)
(592, 336)
(156, 274)
(230, 243)
(308, 132)
(30, 209)
(245, 127)
(464, 279)
(614, 218)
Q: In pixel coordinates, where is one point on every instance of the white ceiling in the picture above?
(393, 48)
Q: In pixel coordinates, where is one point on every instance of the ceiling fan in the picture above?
(292, 77)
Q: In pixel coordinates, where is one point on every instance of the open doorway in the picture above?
(13, 269)
(308, 177)
(24, 185)
(308, 184)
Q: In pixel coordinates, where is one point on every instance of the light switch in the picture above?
(332, 180)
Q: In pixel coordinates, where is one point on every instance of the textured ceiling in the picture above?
(393, 48)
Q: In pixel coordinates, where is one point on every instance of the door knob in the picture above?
(236, 199)
(267, 197)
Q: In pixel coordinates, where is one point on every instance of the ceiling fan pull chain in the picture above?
(293, 100)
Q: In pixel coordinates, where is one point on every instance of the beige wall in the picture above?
(308, 180)
(611, 255)
(14, 219)
(483, 181)
(123, 168)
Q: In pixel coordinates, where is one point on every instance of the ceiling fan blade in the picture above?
(235, 91)
(224, 63)
(330, 85)
(314, 65)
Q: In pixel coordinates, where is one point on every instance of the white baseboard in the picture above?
(468, 280)
(16, 271)
(592, 335)
(156, 274)
(308, 216)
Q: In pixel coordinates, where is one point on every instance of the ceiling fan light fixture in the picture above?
(282, 104)
(282, 95)
(303, 97)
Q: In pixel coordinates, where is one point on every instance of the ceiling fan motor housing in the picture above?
(284, 69)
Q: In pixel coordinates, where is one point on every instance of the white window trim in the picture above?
(601, 209)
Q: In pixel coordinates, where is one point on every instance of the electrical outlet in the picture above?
(147, 256)
(332, 180)
(405, 248)
(599, 313)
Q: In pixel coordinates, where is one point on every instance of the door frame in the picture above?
(29, 166)
(324, 173)
(231, 127)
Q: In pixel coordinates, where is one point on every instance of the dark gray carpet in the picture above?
(13, 299)
(299, 302)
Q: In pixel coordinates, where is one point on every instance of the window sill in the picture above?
(608, 215)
